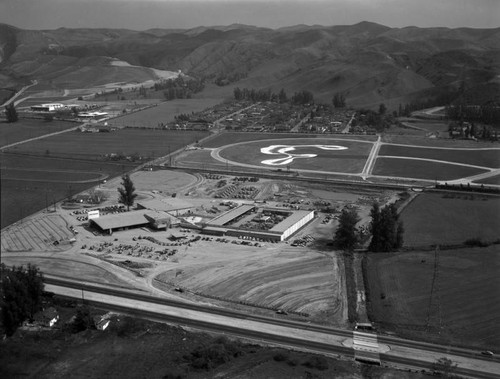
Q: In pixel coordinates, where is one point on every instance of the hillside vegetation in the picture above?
(368, 62)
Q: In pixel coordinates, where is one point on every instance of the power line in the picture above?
(434, 308)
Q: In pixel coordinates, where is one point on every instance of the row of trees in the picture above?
(260, 95)
(487, 114)
(386, 229)
(338, 100)
(21, 297)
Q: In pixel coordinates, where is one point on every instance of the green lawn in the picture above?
(417, 169)
(350, 160)
(485, 158)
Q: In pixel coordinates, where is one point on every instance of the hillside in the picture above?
(370, 63)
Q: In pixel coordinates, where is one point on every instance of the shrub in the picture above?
(319, 363)
(475, 242)
(217, 353)
(280, 357)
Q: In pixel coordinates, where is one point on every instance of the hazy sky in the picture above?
(145, 14)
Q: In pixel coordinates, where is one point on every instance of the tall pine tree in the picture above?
(346, 235)
(386, 229)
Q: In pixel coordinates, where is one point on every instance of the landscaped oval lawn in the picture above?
(308, 154)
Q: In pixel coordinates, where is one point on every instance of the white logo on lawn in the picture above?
(290, 157)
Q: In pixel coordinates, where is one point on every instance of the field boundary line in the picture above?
(39, 137)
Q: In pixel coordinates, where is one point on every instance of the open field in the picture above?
(421, 140)
(30, 128)
(480, 157)
(437, 218)
(164, 112)
(490, 180)
(145, 143)
(316, 154)
(409, 168)
(229, 138)
(465, 306)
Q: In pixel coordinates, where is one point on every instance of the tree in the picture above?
(382, 109)
(127, 192)
(346, 235)
(339, 100)
(282, 97)
(11, 113)
(22, 291)
(386, 229)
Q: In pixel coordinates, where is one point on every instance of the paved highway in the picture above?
(315, 338)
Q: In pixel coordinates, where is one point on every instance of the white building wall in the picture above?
(299, 224)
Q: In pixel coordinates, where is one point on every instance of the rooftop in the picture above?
(166, 205)
(296, 216)
(226, 217)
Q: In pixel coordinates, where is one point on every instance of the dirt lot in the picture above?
(465, 305)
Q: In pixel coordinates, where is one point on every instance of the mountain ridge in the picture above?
(369, 62)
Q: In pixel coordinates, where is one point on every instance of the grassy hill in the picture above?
(370, 63)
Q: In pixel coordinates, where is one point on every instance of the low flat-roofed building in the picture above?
(47, 107)
(134, 219)
(294, 221)
(230, 215)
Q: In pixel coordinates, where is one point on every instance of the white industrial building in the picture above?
(47, 107)
(294, 221)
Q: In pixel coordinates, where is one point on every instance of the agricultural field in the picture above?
(465, 301)
(31, 183)
(338, 155)
(486, 157)
(47, 170)
(437, 218)
(162, 113)
(420, 169)
(30, 128)
(94, 146)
